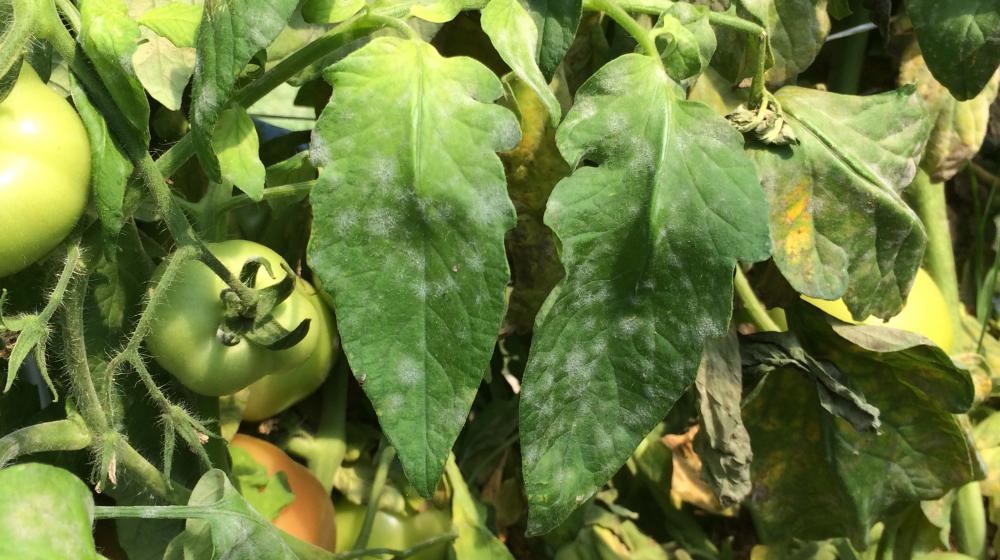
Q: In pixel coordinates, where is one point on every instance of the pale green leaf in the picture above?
(177, 21)
(960, 40)
(164, 70)
(651, 225)
(475, 540)
(514, 35)
(236, 144)
(109, 37)
(686, 40)
(838, 223)
(436, 11)
(409, 173)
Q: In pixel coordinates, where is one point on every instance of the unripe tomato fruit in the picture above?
(44, 171)
(275, 393)
(184, 337)
(925, 313)
(310, 517)
(392, 531)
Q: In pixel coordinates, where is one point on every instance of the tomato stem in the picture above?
(929, 202)
(19, 33)
(752, 304)
(968, 519)
(385, 456)
(628, 23)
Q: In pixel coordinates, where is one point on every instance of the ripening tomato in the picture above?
(275, 393)
(44, 171)
(393, 531)
(310, 517)
(925, 313)
(185, 340)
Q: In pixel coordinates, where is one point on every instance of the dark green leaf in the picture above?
(838, 223)
(817, 477)
(409, 174)
(960, 40)
(231, 33)
(556, 21)
(330, 11)
(650, 238)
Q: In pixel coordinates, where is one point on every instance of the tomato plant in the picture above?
(610, 279)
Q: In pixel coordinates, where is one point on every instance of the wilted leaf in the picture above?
(651, 228)
(838, 222)
(920, 454)
(959, 126)
(474, 538)
(722, 442)
(409, 174)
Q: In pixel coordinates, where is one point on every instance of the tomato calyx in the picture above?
(254, 320)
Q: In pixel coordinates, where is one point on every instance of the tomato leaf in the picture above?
(686, 40)
(920, 454)
(235, 528)
(267, 494)
(723, 443)
(796, 30)
(109, 37)
(409, 173)
(556, 22)
(110, 168)
(231, 33)
(960, 40)
(236, 145)
(513, 33)
(436, 11)
(959, 126)
(838, 222)
(650, 238)
(177, 21)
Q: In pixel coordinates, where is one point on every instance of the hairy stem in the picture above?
(292, 190)
(13, 42)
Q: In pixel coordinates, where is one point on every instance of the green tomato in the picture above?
(184, 336)
(44, 171)
(392, 531)
(275, 393)
(925, 313)
(45, 512)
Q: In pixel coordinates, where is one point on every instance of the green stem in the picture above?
(292, 190)
(752, 303)
(628, 23)
(330, 441)
(929, 202)
(968, 521)
(72, 15)
(70, 434)
(385, 456)
(850, 57)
